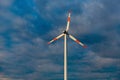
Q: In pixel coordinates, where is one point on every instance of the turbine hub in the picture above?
(65, 32)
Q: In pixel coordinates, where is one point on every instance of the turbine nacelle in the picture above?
(65, 32)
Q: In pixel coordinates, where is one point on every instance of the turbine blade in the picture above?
(77, 41)
(68, 21)
(56, 38)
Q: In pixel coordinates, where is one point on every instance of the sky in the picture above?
(27, 25)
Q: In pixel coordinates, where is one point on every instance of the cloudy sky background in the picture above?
(27, 25)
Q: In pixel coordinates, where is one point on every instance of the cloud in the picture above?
(93, 66)
(24, 40)
(2, 77)
(6, 3)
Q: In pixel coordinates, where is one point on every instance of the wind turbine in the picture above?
(65, 34)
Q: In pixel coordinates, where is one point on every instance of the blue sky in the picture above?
(27, 25)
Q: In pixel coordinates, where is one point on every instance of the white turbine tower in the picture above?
(65, 34)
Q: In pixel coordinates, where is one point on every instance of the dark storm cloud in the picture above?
(24, 33)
